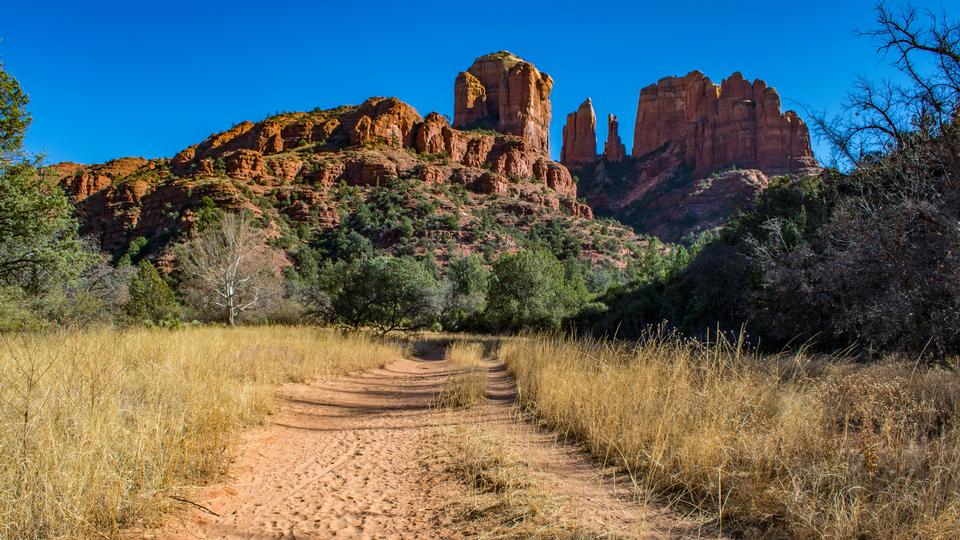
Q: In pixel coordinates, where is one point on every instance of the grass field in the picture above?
(781, 446)
(101, 429)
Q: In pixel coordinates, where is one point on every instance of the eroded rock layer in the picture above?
(290, 168)
(505, 93)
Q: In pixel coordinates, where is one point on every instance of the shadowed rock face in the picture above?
(700, 151)
(580, 136)
(502, 92)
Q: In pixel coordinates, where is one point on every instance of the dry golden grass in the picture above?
(511, 500)
(101, 428)
(465, 387)
(782, 446)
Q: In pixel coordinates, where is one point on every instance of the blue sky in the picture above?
(112, 79)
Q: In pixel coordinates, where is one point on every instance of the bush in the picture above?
(465, 292)
(387, 293)
(151, 300)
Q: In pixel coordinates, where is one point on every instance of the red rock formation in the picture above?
(81, 182)
(504, 155)
(613, 149)
(470, 100)
(505, 93)
(580, 136)
(734, 124)
(382, 121)
(377, 143)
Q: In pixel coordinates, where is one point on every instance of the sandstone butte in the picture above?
(734, 124)
(504, 93)
(287, 166)
(700, 150)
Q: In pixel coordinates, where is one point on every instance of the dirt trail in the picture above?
(357, 457)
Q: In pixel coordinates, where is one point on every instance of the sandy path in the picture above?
(341, 459)
(358, 457)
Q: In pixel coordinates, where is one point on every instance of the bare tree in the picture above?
(881, 116)
(229, 269)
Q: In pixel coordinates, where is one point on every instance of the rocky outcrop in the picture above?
(504, 93)
(614, 149)
(700, 151)
(734, 124)
(382, 121)
(510, 157)
(290, 164)
(580, 136)
(82, 182)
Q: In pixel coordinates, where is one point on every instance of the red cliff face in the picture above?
(580, 136)
(700, 151)
(502, 92)
(614, 150)
(736, 124)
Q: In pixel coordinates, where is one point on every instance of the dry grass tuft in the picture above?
(778, 446)
(99, 429)
(510, 499)
(466, 387)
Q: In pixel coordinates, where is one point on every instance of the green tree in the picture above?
(14, 118)
(47, 273)
(150, 298)
(387, 293)
(465, 291)
(39, 244)
(531, 290)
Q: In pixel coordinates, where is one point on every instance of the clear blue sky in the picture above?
(111, 79)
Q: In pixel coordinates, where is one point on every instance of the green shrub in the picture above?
(465, 292)
(151, 300)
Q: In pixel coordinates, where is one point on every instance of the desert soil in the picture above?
(359, 457)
